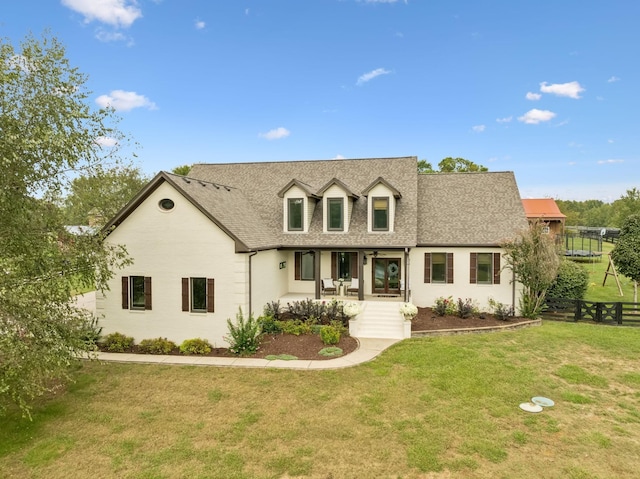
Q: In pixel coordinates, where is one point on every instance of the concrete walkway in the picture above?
(367, 350)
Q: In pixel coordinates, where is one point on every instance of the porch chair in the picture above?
(328, 287)
(354, 287)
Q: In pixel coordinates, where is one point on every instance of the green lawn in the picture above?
(442, 408)
(609, 292)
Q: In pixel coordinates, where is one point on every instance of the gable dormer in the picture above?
(382, 199)
(298, 205)
(337, 206)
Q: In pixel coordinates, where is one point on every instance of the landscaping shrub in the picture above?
(444, 306)
(195, 346)
(500, 310)
(571, 283)
(156, 346)
(273, 309)
(329, 335)
(269, 324)
(117, 342)
(466, 308)
(295, 327)
(91, 332)
(244, 336)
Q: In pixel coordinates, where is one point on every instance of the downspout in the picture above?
(250, 256)
(513, 291)
(406, 274)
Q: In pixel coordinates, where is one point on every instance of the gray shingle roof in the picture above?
(261, 183)
(479, 208)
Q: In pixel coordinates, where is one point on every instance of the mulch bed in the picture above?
(308, 346)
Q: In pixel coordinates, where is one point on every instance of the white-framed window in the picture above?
(295, 214)
(380, 213)
(335, 214)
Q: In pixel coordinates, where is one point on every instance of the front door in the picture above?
(386, 276)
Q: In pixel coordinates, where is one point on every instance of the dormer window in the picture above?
(380, 218)
(295, 214)
(335, 209)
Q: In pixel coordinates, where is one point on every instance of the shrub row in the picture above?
(120, 343)
(308, 310)
(465, 308)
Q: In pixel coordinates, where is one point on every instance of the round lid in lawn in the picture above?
(530, 407)
(542, 401)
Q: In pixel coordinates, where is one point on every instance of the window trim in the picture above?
(127, 293)
(428, 268)
(340, 201)
(494, 273)
(298, 266)
(187, 295)
(373, 212)
(290, 202)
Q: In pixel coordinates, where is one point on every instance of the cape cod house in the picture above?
(245, 234)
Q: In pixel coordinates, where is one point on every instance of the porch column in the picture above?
(361, 275)
(406, 274)
(316, 269)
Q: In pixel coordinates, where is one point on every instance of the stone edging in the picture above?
(483, 329)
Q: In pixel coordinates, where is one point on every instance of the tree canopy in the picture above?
(47, 132)
(182, 170)
(534, 260)
(626, 252)
(95, 197)
(450, 165)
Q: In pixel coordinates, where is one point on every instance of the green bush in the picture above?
(156, 346)
(195, 346)
(244, 336)
(295, 327)
(500, 310)
(269, 324)
(117, 342)
(330, 335)
(571, 283)
(444, 306)
(91, 332)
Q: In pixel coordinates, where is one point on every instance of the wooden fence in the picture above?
(611, 312)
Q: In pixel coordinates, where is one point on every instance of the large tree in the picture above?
(47, 131)
(534, 260)
(97, 195)
(450, 165)
(626, 252)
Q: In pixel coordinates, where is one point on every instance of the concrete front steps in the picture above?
(380, 319)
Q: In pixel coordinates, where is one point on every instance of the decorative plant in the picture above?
(195, 346)
(244, 336)
(444, 306)
(156, 346)
(408, 310)
(351, 309)
(466, 307)
(500, 310)
(118, 342)
(330, 335)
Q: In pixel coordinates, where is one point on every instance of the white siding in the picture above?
(168, 246)
(424, 294)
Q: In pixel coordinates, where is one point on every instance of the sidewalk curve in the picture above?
(368, 349)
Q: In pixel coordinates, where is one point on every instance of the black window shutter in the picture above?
(473, 268)
(147, 293)
(298, 265)
(210, 295)
(334, 265)
(450, 268)
(427, 267)
(354, 265)
(185, 294)
(125, 292)
(496, 268)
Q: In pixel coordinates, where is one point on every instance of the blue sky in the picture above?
(547, 89)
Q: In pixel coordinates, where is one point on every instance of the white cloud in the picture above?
(613, 79)
(338, 157)
(610, 141)
(275, 134)
(506, 119)
(609, 162)
(533, 96)
(106, 36)
(200, 24)
(535, 116)
(125, 100)
(106, 141)
(371, 75)
(571, 89)
(478, 128)
(118, 13)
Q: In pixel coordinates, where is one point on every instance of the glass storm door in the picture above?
(386, 276)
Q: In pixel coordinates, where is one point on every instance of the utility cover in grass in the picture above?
(542, 401)
(530, 407)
